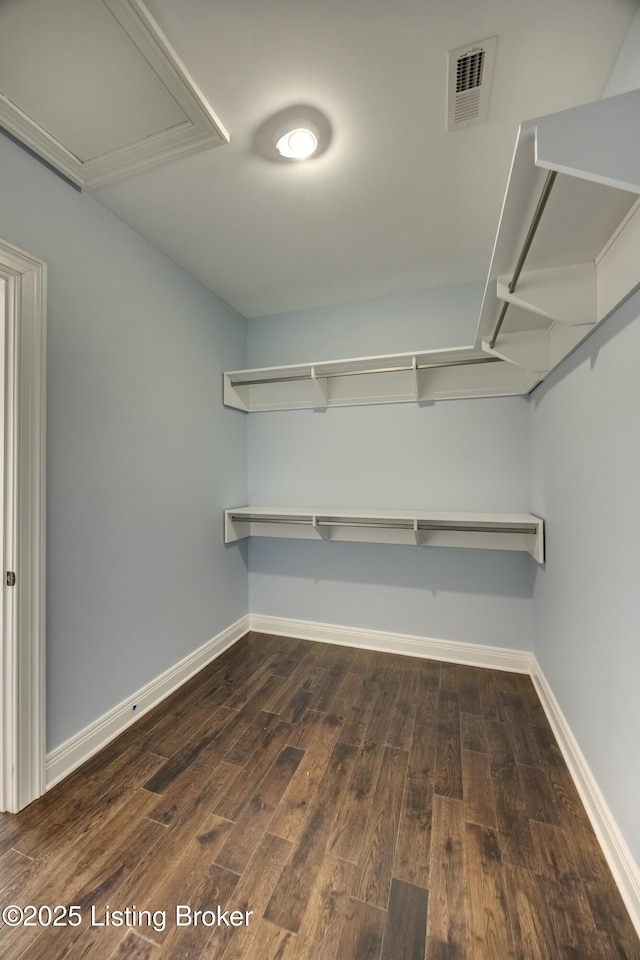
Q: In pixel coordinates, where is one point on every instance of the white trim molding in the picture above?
(452, 651)
(78, 749)
(625, 870)
(22, 711)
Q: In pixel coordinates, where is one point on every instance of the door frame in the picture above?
(22, 646)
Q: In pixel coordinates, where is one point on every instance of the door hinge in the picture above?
(11, 578)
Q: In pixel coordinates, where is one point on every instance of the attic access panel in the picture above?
(94, 87)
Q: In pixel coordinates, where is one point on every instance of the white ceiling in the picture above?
(396, 203)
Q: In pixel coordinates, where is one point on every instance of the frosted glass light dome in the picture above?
(298, 144)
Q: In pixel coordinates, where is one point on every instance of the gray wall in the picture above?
(427, 319)
(586, 484)
(452, 455)
(585, 455)
(141, 455)
(625, 75)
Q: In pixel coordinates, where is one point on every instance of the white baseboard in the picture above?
(472, 654)
(625, 870)
(72, 753)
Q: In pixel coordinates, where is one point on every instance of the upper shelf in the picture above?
(584, 258)
(567, 254)
(484, 531)
(392, 378)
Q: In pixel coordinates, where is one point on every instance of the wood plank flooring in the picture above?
(359, 805)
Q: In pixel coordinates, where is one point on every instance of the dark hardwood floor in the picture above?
(360, 805)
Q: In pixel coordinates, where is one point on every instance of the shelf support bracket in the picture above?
(415, 379)
(420, 535)
(320, 389)
(322, 531)
(231, 396)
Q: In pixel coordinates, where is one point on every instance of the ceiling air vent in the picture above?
(470, 70)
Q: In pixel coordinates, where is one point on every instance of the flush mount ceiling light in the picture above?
(292, 135)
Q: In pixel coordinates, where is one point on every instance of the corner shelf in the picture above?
(483, 531)
(419, 376)
(584, 259)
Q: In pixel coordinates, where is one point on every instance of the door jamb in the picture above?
(22, 694)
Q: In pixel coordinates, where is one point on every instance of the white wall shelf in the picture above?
(584, 259)
(483, 531)
(424, 375)
(582, 263)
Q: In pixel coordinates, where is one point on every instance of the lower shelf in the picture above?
(482, 531)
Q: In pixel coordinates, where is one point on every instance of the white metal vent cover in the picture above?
(470, 72)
